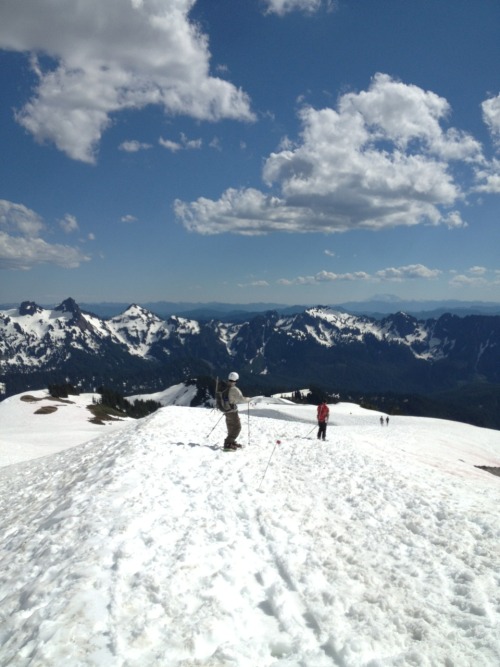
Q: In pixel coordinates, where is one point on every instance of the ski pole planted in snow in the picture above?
(276, 443)
(248, 422)
(207, 436)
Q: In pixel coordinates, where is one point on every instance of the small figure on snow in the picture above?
(233, 422)
(387, 421)
(323, 412)
(381, 420)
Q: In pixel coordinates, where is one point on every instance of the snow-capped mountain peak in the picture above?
(29, 308)
(68, 306)
(137, 329)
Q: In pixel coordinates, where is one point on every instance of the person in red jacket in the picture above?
(323, 413)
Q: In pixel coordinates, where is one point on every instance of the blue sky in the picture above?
(291, 151)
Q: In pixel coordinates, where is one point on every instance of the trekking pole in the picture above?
(248, 422)
(207, 436)
(267, 465)
(311, 431)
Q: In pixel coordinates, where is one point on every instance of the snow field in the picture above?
(151, 546)
(25, 435)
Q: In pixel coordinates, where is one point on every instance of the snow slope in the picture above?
(178, 394)
(152, 547)
(25, 434)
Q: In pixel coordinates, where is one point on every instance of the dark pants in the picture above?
(233, 424)
(321, 430)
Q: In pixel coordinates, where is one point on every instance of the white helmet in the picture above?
(233, 377)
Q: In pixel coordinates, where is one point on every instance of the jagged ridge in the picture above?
(329, 347)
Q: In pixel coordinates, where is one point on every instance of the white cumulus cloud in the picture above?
(476, 276)
(255, 283)
(69, 224)
(134, 146)
(95, 58)
(325, 277)
(394, 274)
(183, 144)
(488, 177)
(491, 115)
(410, 272)
(383, 158)
(282, 7)
(478, 270)
(21, 244)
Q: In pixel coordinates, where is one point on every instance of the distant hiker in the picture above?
(381, 420)
(387, 421)
(322, 413)
(233, 423)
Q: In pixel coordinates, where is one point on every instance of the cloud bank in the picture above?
(21, 244)
(94, 59)
(382, 158)
(392, 274)
(472, 277)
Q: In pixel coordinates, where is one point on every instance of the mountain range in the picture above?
(378, 306)
(139, 351)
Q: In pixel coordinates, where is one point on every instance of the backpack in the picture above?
(221, 396)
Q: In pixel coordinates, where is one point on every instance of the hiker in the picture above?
(323, 413)
(233, 422)
(381, 420)
(387, 421)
